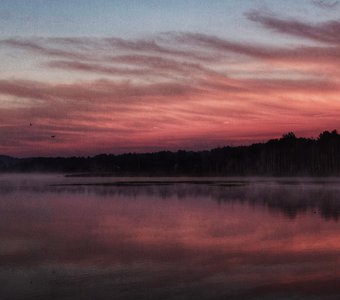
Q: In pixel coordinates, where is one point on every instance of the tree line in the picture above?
(286, 156)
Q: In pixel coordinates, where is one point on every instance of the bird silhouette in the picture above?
(53, 136)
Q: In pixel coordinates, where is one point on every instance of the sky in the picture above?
(111, 76)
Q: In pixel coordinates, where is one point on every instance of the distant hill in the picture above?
(287, 156)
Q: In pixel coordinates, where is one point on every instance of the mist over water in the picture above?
(110, 238)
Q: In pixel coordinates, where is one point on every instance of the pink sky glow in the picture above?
(168, 91)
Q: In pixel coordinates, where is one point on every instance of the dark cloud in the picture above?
(100, 90)
(39, 48)
(298, 54)
(326, 32)
(100, 48)
(135, 65)
(79, 66)
(200, 53)
(324, 4)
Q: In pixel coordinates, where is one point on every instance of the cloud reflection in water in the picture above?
(262, 240)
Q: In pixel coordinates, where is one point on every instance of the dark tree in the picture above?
(286, 156)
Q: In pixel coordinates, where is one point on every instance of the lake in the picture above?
(169, 238)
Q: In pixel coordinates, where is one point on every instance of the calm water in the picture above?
(257, 239)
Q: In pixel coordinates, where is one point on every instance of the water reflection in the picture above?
(262, 240)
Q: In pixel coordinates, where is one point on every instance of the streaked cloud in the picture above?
(325, 4)
(326, 32)
(170, 90)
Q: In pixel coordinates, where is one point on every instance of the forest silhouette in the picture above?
(286, 156)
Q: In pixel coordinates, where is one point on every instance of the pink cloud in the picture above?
(174, 90)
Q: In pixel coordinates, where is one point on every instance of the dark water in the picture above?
(264, 239)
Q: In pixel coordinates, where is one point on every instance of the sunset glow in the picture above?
(112, 77)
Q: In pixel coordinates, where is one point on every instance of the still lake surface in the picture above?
(146, 238)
